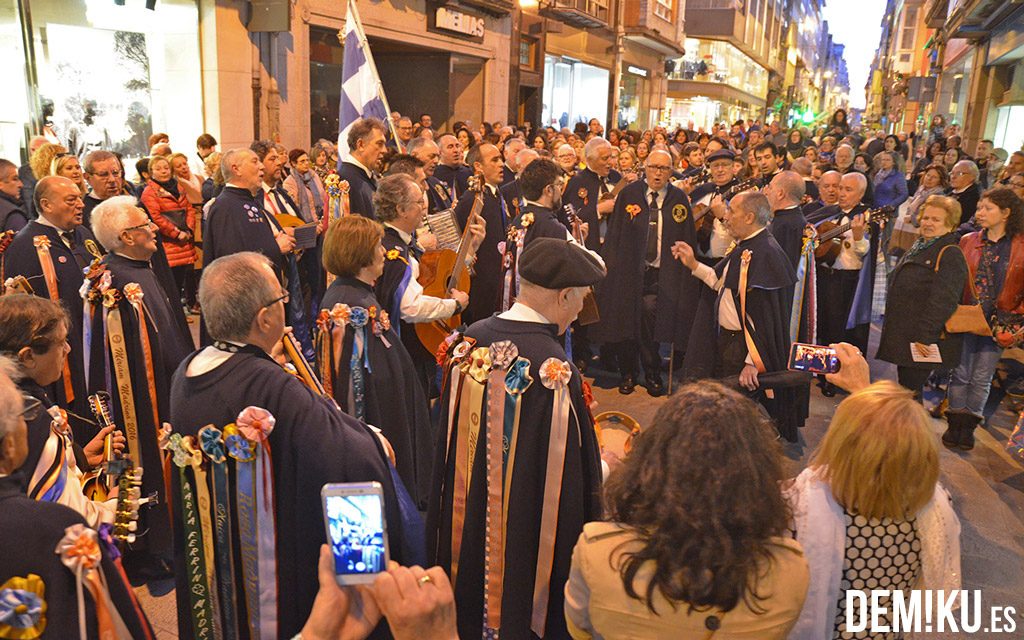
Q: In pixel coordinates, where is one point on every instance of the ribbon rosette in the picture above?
(323, 319)
(340, 314)
(106, 538)
(746, 256)
(555, 373)
(238, 447)
(180, 455)
(479, 364)
(211, 444)
(23, 607)
(518, 379)
(255, 423)
(393, 254)
(633, 210)
(358, 317)
(462, 349)
(503, 354)
(111, 297)
(79, 549)
(383, 323)
(41, 241)
(133, 292)
(527, 219)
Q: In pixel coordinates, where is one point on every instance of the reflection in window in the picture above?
(721, 63)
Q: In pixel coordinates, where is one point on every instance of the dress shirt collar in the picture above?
(351, 159)
(519, 312)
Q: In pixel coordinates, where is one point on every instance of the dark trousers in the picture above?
(836, 289)
(627, 351)
(912, 378)
(732, 353)
(185, 281)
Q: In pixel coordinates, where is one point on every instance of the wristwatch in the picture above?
(458, 308)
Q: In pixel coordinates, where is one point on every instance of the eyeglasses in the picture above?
(107, 174)
(32, 407)
(659, 167)
(149, 224)
(284, 297)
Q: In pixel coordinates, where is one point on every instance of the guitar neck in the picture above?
(874, 215)
(460, 262)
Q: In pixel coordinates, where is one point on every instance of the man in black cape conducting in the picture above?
(647, 298)
(258, 445)
(135, 330)
(503, 521)
(742, 322)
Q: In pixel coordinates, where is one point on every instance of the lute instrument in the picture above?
(299, 366)
(442, 270)
(614, 193)
(589, 314)
(830, 241)
(704, 221)
(99, 483)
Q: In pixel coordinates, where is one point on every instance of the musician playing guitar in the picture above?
(713, 242)
(399, 205)
(585, 189)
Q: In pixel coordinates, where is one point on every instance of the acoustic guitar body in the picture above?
(828, 251)
(432, 265)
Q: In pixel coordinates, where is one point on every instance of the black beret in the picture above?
(559, 264)
(721, 154)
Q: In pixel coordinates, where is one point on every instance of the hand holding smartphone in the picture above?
(356, 530)
(813, 358)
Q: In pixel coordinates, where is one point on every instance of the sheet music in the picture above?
(444, 226)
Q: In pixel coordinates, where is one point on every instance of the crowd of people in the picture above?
(423, 311)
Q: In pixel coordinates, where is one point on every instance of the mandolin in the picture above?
(830, 241)
(442, 270)
(298, 366)
(98, 483)
(589, 314)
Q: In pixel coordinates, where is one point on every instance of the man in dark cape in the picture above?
(366, 147)
(648, 298)
(154, 349)
(731, 338)
(485, 287)
(584, 190)
(510, 152)
(312, 443)
(788, 223)
(394, 400)
(712, 237)
(509, 564)
(439, 196)
(59, 234)
(32, 572)
(451, 170)
(828, 194)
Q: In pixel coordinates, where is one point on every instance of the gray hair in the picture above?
(803, 166)
(11, 404)
(791, 184)
(564, 145)
(230, 157)
(393, 193)
(110, 218)
(526, 156)
(594, 145)
(859, 178)
(418, 143)
(232, 291)
(969, 167)
(753, 202)
(660, 149)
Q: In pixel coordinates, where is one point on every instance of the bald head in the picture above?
(59, 200)
(786, 190)
(828, 187)
(803, 166)
(658, 169)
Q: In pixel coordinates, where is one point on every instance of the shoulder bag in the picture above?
(968, 318)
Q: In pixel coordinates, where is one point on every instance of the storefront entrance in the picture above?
(573, 92)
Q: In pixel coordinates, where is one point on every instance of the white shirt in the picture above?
(209, 359)
(661, 205)
(519, 312)
(728, 315)
(352, 159)
(851, 253)
(415, 306)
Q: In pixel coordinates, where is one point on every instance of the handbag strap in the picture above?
(970, 280)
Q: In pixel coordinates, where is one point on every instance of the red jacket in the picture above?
(157, 200)
(1011, 297)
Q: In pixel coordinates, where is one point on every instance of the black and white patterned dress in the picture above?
(880, 554)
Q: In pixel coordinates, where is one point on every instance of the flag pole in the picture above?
(353, 13)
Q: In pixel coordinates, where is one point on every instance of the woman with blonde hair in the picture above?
(68, 166)
(869, 511)
(41, 161)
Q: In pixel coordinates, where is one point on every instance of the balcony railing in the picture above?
(586, 14)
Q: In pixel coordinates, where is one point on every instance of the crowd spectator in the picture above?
(995, 258)
(924, 290)
(13, 211)
(696, 540)
(934, 181)
(168, 206)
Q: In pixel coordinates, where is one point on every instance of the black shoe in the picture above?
(954, 432)
(627, 385)
(966, 440)
(655, 387)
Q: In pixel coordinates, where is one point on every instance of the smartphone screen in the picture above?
(813, 358)
(354, 515)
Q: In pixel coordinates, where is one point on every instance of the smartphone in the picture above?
(356, 530)
(813, 358)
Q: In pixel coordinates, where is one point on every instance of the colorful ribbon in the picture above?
(79, 551)
(212, 445)
(42, 245)
(23, 608)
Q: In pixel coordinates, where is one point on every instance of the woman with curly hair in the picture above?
(869, 510)
(697, 538)
(41, 161)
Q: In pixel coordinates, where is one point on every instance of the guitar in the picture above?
(589, 314)
(443, 270)
(614, 193)
(830, 242)
(299, 366)
(704, 222)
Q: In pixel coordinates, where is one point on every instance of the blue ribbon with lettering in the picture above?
(212, 445)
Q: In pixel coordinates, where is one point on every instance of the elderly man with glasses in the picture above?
(647, 298)
(963, 187)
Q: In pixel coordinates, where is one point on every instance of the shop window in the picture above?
(140, 73)
(721, 63)
(528, 53)
(325, 56)
(1009, 127)
(14, 111)
(573, 92)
